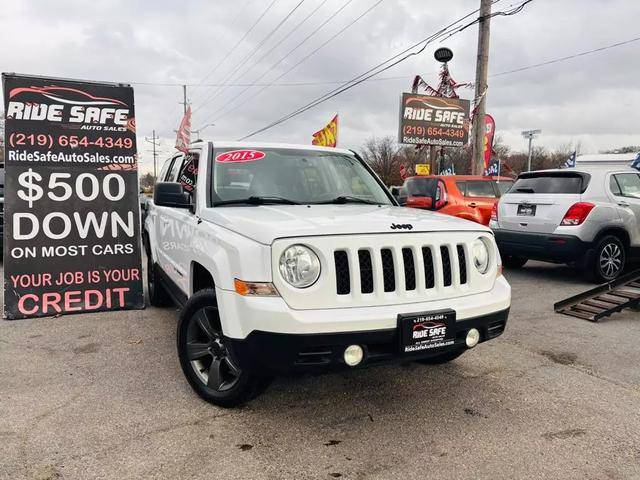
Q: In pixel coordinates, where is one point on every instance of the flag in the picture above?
(403, 171)
(489, 131)
(183, 139)
(571, 161)
(328, 136)
(448, 171)
(636, 162)
(493, 169)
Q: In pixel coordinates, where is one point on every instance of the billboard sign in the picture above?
(430, 120)
(72, 219)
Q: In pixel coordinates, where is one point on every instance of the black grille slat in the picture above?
(446, 265)
(388, 270)
(427, 261)
(462, 261)
(343, 279)
(366, 271)
(409, 269)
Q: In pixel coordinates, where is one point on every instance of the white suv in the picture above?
(289, 258)
(587, 216)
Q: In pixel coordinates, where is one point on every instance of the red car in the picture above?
(465, 196)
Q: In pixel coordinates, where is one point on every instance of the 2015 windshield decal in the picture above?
(238, 156)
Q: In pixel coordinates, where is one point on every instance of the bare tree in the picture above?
(381, 155)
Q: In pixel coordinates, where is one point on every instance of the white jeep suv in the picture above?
(289, 258)
(588, 216)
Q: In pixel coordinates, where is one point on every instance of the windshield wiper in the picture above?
(255, 200)
(525, 190)
(342, 199)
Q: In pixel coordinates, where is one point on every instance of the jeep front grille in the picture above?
(389, 262)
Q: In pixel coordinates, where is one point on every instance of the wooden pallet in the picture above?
(602, 301)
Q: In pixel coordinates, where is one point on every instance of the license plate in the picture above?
(527, 210)
(427, 331)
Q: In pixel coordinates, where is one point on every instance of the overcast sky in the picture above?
(593, 99)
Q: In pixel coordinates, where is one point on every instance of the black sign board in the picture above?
(428, 120)
(71, 212)
(443, 54)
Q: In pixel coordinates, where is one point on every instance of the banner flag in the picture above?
(571, 161)
(328, 136)
(448, 171)
(636, 162)
(183, 138)
(489, 133)
(71, 211)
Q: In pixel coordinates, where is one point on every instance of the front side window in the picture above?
(629, 184)
(175, 168)
(301, 176)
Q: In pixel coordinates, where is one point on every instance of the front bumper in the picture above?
(541, 246)
(242, 315)
(282, 354)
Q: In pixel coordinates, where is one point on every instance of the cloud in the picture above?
(591, 99)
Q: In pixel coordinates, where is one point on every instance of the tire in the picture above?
(608, 260)
(207, 360)
(158, 296)
(514, 261)
(442, 358)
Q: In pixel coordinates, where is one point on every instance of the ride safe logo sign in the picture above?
(71, 215)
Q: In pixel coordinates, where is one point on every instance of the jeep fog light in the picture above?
(299, 266)
(473, 337)
(353, 355)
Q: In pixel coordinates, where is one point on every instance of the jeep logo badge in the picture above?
(403, 226)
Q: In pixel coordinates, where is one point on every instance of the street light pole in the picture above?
(530, 134)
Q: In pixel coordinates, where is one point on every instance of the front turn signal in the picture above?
(258, 289)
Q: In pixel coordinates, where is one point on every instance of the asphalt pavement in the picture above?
(102, 396)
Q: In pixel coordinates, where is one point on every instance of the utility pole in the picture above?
(153, 142)
(184, 99)
(482, 65)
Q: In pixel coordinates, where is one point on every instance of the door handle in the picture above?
(623, 204)
(473, 204)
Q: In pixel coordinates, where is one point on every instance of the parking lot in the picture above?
(103, 396)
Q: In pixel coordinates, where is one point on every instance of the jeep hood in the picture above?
(269, 222)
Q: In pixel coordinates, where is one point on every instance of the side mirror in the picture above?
(170, 194)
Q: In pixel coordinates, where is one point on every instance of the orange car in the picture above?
(465, 196)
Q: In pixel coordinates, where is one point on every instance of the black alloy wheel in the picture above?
(207, 360)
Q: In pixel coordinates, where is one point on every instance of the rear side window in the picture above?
(629, 184)
(480, 188)
(551, 183)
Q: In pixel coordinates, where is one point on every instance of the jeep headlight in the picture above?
(299, 266)
(480, 254)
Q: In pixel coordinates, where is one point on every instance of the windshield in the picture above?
(550, 182)
(301, 176)
(421, 187)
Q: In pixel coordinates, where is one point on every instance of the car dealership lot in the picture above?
(103, 396)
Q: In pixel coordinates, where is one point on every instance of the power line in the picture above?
(342, 30)
(568, 57)
(352, 84)
(317, 29)
(247, 57)
(232, 23)
(246, 34)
